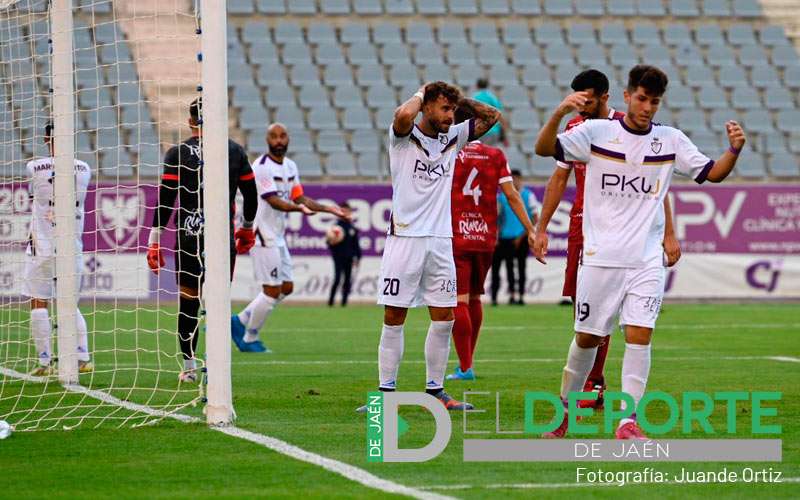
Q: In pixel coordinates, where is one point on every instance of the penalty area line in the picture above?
(347, 471)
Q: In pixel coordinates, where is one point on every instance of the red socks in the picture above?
(462, 335)
(476, 315)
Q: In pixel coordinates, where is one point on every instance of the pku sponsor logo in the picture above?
(433, 171)
(626, 184)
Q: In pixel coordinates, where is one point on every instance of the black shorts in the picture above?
(189, 262)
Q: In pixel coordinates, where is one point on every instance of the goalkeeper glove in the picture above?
(245, 239)
(155, 258)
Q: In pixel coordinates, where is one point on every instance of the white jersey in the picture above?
(272, 178)
(628, 173)
(422, 177)
(41, 174)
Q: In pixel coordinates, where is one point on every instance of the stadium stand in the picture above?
(334, 70)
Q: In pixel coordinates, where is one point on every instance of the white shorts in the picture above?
(604, 292)
(40, 276)
(273, 265)
(417, 271)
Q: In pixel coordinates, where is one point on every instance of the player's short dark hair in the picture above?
(590, 79)
(516, 172)
(48, 131)
(482, 83)
(195, 108)
(651, 79)
(444, 89)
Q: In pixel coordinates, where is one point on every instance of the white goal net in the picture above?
(135, 71)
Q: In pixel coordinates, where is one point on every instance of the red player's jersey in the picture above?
(576, 214)
(479, 171)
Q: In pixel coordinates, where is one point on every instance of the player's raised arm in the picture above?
(724, 165)
(167, 192)
(547, 139)
(319, 207)
(484, 116)
(407, 112)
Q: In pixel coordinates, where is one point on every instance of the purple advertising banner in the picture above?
(736, 218)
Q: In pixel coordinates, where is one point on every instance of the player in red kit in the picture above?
(478, 172)
(595, 83)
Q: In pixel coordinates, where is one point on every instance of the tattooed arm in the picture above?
(485, 116)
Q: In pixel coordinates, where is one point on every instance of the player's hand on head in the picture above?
(245, 239)
(540, 246)
(735, 134)
(672, 248)
(573, 102)
(155, 257)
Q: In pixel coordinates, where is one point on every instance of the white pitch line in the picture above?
(534, 486)
(347, 471)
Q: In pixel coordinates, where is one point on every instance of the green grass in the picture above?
(312, 405)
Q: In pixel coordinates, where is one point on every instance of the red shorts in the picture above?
(471, 271)
(574, 251)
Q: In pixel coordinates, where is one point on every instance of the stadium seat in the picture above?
(720, 55)
(362, 54)
(784, 165)
(709, 35)
(558, 8)
(370, 165)
(384, 117)
(354, 33)
(791, 77)
(785, 56)
(716, 8)
(267, 75)
(773, 35)
(503, 74)
(645, 33)
(558, 55)
(779, 99)
(515, 97)
(526, 54)
(733, 77)
(296, 53)
(764, 76)
(329, 53)
(366, 140)
(705, 141)
(741, 34)
(255, 31)
(450, 32)
(516, 32)
(518, 161)
(680, 97)
(308, 164)
(490, 53)
(466, 76)
(541, 166)
(341, 164)
(677, 34)
(613, 33)
(305, 73)
(290, 116)
(287, 32)
(547, 98)
(697, 76)
(428, 53)
(419, 33)
(395, 53)
(535, 75)
(692, 120)
(463, 7)
(650, 8)
(484, 32)
(246, 96)
(794, 143)
(399, 7)
(253, 117)
(750, 165)
(404, 74)
(771, 144)
(621, 8)
(622, 56)
(386, 32)
(590, 8)
(656, 54)
(458, 54)
(712, 97)
(591, 55)
(437, 72)
(335, 7)
(313, 95)
(495, 7)
(241, 7)
(431, 7)
(331, 141)
(347, 96)
(381, 96)
(523, 119)
(323, 118)
(549, 34)
(752, 55)
(746, 8)
(526, 7)
(683, 8)
(302, 7)
(581, 33)
(370, 74)
(760, 121)
(300, 141)
(263, 52)
(321, 33)
(745, 98)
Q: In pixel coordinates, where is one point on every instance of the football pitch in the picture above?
(323, 365)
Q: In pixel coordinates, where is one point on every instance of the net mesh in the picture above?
(135, 72)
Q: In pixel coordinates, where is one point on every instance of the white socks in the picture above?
(579, 363)
(40, 331)
(437, 350)
(255, 315)
(390, 353)
(635, 370)
(83, 338)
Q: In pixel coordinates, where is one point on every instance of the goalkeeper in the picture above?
(182, 179)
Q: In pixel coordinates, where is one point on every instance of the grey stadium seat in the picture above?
(311, 96)
(764, 76)
(347, 96)
(296, 53)
(309, 164)
(241, 7)
(589, 55)
(503, 74)
(677, 34)
(354, 33)
(683, 8)
(692, 120)
(621, 8)
(773, 35)
(589, 8)
(750, 164)
(437, 72)
(386, 33)
(428, 53)
(463, 7)
(370, 74)
(656, 54)
(337, 74)
(558, 55)
(330, 142)
(287, 32)
(459, 54)
(525, 7)
(431, 7)
(779, 98)
(558, 8)
(490, 53)
(321, 33)
(689, 55)
(404, 74)
(515, 96)
(341, 164)
(645, 33)
(709, 34)
(419, 33)
(253, 117)
(772, 143)
(791, 77)
(305, 73)
(745, 98)
(549, 34)
(741, 34)
(784, 165)
(323, 118)
(394, 53)
(329, 53)
(752, 55)
(381, 96)
(535, 75)
(526, 55)
(716, 8)
(650, 8)
(466, 76)
(613, 33)
(302, 7)
(483, 32)
(760, 120)
(712, 97)
(301, 142)
(362, 53)
(523, 119)
(255, 31)
(580, 33)
(733, 77)
(720, 55)
(292, 117)
(519, 161)
(399, 7)
(335, 7)
(516, 32)
(370, 164)
(268, 75)
(495, 7)
(697, 76)
(450, 32)
(367, 7)
(679, 97)
(623, 56)
(785, 56)
(366, 141)
(384, 117)
(746, 8)
(547, 98)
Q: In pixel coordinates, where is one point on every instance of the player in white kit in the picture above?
(40, 266)
(629, 166)
(279, 192)
(417, 266)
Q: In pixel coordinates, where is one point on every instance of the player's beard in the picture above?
(440, 127)
(278, 150)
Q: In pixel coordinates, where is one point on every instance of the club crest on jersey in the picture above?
(655, 146)
(443, 139)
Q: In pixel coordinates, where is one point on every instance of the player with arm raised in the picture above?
(279, 192)
(182, 180)
(595, 84)
(629, 167)
(417, 267)
(40, 256)
(479, 171)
